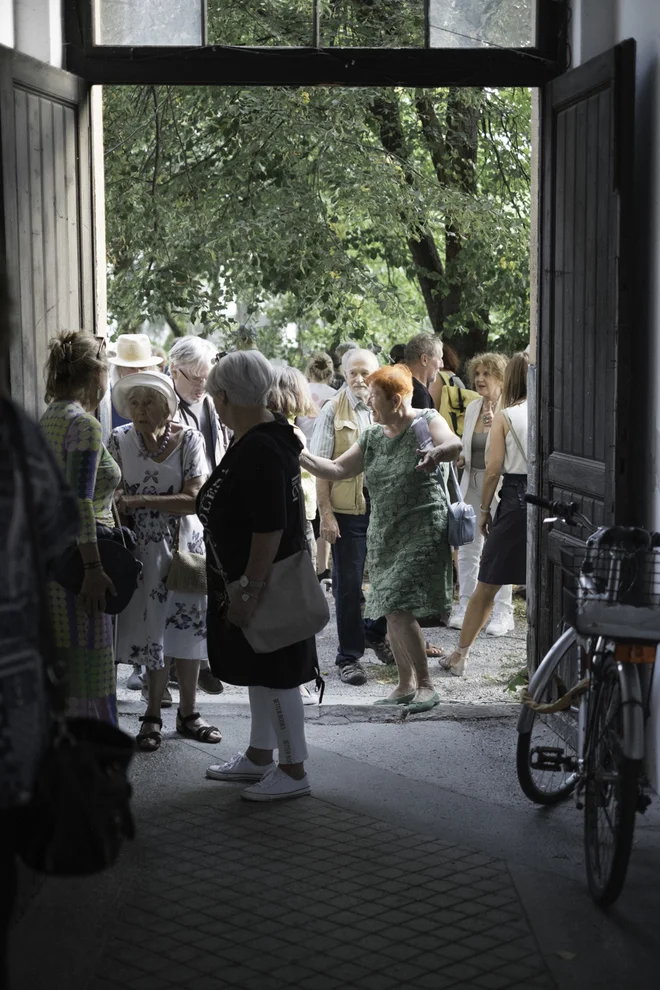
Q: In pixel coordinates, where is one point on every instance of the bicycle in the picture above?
(581, 726)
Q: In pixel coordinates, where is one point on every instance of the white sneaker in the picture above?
(238, 768)
(500, 625)
(277, 786)
(456, 617)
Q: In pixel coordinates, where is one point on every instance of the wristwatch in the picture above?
(244, 582)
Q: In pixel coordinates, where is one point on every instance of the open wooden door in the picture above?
(46, 221)
(583, 443)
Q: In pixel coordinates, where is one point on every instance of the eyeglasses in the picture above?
(194, 379)
(103, 344)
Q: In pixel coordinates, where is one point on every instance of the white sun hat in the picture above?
(143, 379)
(134, 351)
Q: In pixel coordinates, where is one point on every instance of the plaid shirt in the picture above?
(323, 438)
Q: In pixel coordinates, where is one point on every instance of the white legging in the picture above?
(278, 722)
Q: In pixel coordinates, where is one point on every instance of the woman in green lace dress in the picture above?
(77, 379)
(408, 553)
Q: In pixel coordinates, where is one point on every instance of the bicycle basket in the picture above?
(612, 592)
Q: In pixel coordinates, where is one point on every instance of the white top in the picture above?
(515, 462)
(321, 393)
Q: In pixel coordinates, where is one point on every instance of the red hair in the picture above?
(394, 380)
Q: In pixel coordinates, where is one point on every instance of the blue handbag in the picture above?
(461, 518)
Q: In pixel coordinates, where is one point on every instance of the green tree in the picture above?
(351, 213)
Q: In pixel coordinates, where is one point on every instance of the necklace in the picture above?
(159, 450)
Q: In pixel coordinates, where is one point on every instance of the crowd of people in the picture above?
(231, 464)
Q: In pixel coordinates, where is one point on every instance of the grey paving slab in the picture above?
(360, 929)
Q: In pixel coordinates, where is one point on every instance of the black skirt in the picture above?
(504, 559)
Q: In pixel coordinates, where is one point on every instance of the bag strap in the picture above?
(515, 435)
(55, 679)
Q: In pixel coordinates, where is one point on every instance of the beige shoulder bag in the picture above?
(187, 572)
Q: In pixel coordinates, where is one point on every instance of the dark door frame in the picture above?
(293, 66)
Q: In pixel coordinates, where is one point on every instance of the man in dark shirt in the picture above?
(423, 355)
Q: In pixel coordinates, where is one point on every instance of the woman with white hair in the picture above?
(258, 489)
(163, 466)
(191, 359)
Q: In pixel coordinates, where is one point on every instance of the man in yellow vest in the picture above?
(344, 512)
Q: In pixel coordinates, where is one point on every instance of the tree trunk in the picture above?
(423, 249)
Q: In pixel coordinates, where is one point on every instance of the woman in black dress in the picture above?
(252, 511)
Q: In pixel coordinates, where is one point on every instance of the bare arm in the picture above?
(349, 465)
(447, 445)
(329, 526)
(493, 472)
(181, 504)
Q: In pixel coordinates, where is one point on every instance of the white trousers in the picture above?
(278, 722)
(469, 556)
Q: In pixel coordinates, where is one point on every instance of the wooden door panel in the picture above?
(584, 440)
(46, 220)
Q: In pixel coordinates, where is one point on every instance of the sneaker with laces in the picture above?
(238, 768)
(277, 786)
(500, 625)
(456, 618)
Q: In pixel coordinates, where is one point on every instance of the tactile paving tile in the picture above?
(306, 895)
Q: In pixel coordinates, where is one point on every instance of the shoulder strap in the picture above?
(514, 435)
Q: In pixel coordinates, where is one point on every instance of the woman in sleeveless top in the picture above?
(504, 558)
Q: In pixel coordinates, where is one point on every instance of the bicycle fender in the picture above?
(540, 678)
(632, 702)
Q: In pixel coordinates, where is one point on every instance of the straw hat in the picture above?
(134, 351)
(143, 379)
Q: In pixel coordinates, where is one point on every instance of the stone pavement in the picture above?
(440, 878)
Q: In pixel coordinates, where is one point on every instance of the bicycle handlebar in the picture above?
(564, 510)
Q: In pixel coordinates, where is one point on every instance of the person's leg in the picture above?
(322, 556)
(407, 682)
(477, 613)
(287, 719)
(502, 622)
(469, 555)
(263, 739)
(187, 674)
(348, 556)
(409, 649)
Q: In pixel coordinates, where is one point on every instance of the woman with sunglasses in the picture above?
(76, 381)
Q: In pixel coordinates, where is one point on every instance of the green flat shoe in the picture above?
(403, 699)
(424, 706)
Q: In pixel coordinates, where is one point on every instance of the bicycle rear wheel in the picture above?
(611, 791)
(547, 755)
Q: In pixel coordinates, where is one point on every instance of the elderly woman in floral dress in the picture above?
(163, 467)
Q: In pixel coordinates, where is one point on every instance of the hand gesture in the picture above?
(330, 529)
(485, 523)
(487, 413)
(428, 461)
(240, 611)
(95, 586)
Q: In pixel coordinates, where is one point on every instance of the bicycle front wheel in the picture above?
(547, 753)
(611, 790)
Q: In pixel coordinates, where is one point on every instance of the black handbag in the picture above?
(114, 547)
(79, 813)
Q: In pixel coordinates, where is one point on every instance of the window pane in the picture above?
(482, 23)
(378, 24)
(148, 22)
(260, 22)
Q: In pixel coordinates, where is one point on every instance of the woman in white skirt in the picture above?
(486, 373)
(163, 468)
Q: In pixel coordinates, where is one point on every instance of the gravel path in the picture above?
(492, 663)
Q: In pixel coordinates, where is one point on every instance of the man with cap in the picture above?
(133, 354)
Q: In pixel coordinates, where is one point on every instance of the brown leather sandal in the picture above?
(202, 733)
(149, 742)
